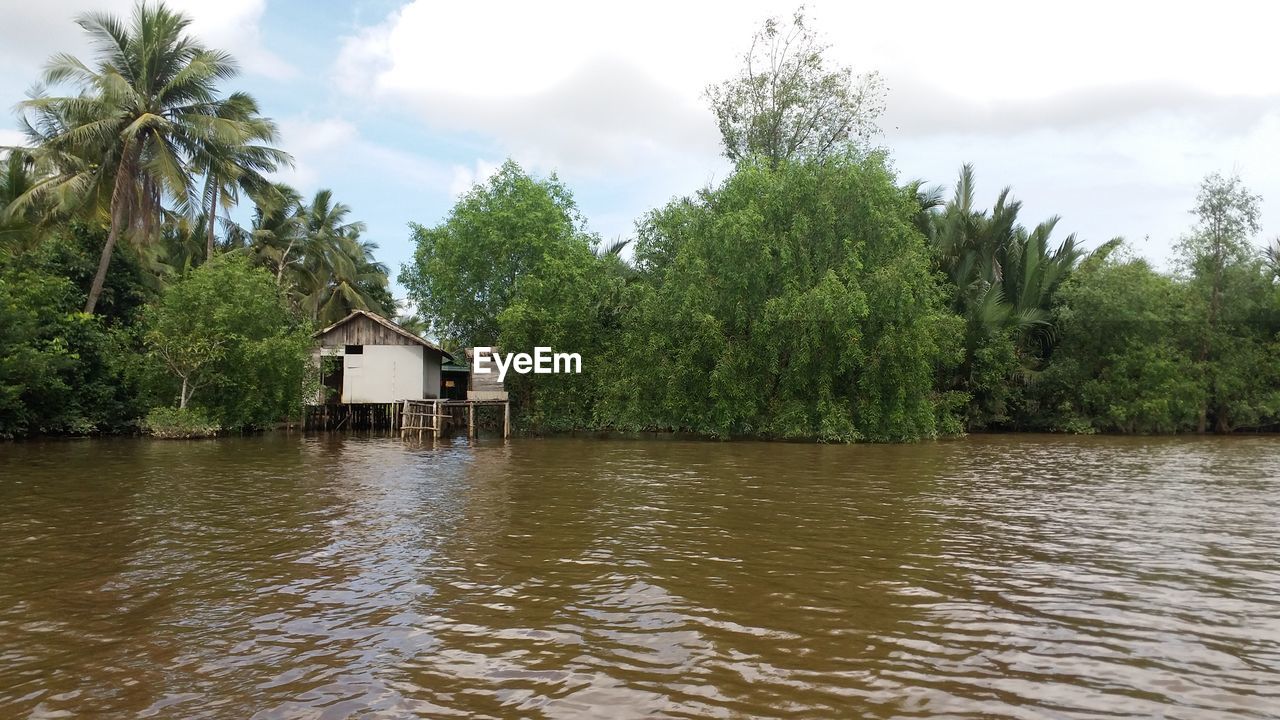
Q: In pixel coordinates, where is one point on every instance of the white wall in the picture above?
(383, 374)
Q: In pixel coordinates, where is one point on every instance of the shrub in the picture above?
(179, 424)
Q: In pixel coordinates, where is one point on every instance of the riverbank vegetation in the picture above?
(151, 267)
(814, 294)
(126, 283)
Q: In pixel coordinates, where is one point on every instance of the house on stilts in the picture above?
(375, 374)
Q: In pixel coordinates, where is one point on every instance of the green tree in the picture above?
(787, 102)
(226, 337)
(234, 159)
(790, 302)
(513, 267)
(1003, 278)
(1123, 362)
(465, 270)
(134, 122)
(1221, 263)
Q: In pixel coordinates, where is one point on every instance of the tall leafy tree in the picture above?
(789, 102)
(1225, 270)
(139, 113)
(465, 270)
(514, 266)
(225, 336)
(790, 302)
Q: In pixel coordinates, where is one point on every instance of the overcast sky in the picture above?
(1107, 114)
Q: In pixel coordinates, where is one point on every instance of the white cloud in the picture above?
(1105, 112)
(554, 92)
(33, 31)
(582, 80)
(330, 148)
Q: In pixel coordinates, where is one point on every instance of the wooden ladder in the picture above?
(422, 416)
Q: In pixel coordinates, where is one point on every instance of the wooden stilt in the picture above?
(471, 420)
(506, 420)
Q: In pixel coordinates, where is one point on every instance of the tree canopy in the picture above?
(789, 102)
(153, 269)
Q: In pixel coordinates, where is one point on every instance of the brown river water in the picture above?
(334, 576)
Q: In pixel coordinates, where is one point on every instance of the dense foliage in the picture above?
(61, 370)
(226, 338)
(795, 302)
(118, 276)
(810, 295)
(821, 299)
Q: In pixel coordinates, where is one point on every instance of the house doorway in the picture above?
(331, 379)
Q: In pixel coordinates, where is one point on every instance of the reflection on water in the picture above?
(283, 577)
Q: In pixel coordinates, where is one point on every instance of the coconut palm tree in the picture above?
(180, 246)
(341, 275)
(64, 180)
(316, 254)
(233, 160)
(275, 233)
(19, 227)
(140, 113)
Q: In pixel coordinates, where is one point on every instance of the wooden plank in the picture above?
(363, 331)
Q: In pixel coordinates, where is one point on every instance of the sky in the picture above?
(1106, 114)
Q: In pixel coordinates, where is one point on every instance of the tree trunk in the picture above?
(117, 221)
(100, 278)
(1221, 425)
(283, 259)
(182, 395)
(213, 213)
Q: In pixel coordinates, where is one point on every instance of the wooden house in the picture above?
(365, 358)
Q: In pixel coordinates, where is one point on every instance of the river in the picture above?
(289, 576)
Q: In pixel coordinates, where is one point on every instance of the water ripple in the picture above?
(333, 577)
